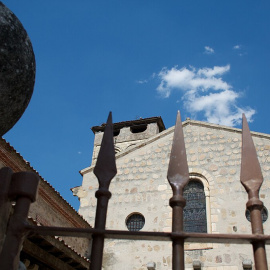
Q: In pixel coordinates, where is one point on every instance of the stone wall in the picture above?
(141, 186)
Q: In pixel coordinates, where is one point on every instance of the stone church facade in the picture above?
(141, 193)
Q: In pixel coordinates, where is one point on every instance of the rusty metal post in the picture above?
(5, 203)
(251, 178)
(105, 170)
(178, 177)
(23, 190)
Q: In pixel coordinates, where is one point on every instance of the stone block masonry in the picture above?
(141, 186)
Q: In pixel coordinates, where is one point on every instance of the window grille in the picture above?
(195, 209)
(135, 222)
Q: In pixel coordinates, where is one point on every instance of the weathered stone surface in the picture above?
(216, 165)
(17, 69)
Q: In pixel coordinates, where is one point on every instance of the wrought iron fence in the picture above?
(22, 188)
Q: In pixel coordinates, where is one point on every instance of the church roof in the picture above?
(132, 123)
(171, 130)
(16, 162)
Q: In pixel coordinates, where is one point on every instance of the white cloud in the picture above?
(236, 47)
(146, 80)
(208, 50)
(204, 91)
(187, 79)
(141, 81)
(211, 72)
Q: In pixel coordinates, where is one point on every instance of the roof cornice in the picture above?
(132, 123)
(170, 130)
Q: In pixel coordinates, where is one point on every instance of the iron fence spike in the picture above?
(178, 177)
(105, 168)
(251, 178)
(178, 174)
(251, 175)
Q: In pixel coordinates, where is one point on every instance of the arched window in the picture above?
(195, 209)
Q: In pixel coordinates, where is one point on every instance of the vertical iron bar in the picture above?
(178, 244)
(100, 222)
(258, 246)
(9, 257)
(105, 170)
(5, 203)
(251, 177)
(23, 190)
(178, 177)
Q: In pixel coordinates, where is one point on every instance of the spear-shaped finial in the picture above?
(105, 168)
(178, 174)
(251, 174)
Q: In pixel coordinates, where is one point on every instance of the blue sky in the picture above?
(208, 59)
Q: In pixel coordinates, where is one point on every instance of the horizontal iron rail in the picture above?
(146, 235)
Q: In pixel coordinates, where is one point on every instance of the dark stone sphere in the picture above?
(17, 69)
